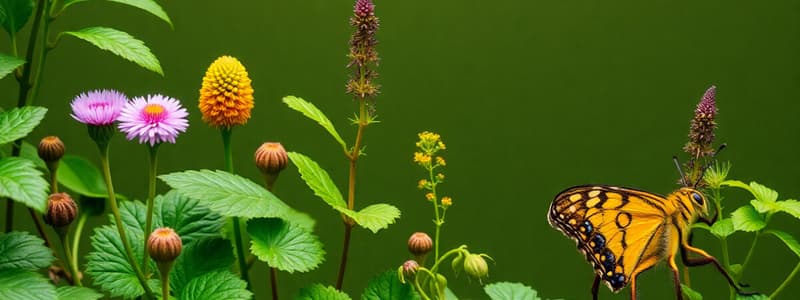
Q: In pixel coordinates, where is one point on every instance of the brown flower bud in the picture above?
(271, 158)
(61, 210)
(410, 268)
(420, 244)
(51, 149)
(164, 245)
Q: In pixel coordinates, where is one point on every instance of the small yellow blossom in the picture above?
(441, 146)
(440, 161)
(422, 159)
(429, 142)
(422, 184)
(447, 202)
(440, 177)
(430, 196)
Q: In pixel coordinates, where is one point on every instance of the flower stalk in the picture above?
(151, 195)
(237, 231)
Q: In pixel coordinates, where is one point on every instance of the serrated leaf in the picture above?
(723, 228)
(188, 217)
(746, 218)
(690, 293)
(219, 285)
(321, 292)
(199, 258)
(375, 217)
(738, 184)
(148, 6)
(763, 193)
(9, 63)
(121, 44)
(227, 194)
(313, 113)
(510, 291)
(81, 176)
(787, 240)
(108, 266)
(387, 286)
(30, 152)
(789, 206)
(285, 246)
(764, 207)
(19, 122)
(77, 293)
(17, 284)
(318, 180)
(14, 14)
(21, 181)
(20, 250)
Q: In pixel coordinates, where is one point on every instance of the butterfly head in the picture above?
(695, 201)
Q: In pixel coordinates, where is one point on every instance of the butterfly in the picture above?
(624, 232)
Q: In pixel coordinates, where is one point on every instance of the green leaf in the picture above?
(746, 218)
(199, 258)
(81, 176)
(763, 193)
(19, 122)
(219, 285)
(148, 6)
(21, 181)
(77, 293)
(375, 217)
(121, 44)
(313, 113)
(20, 250)
(764, 207)
(723, 228)
(321, 292)
(68, 3)
(738, 184)
(510, 291)
(30, 152)
(790, 206)
(14, 14)
(387, 286)
(318, 180)
(16, 284)
(752, 297)
(690, 293)
(227, 194)
(285, 246)
(449, 295)
(188, 217)
(107, 263)
(9, 63)
(787, 239)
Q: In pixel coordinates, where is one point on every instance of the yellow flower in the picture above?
(430, 142)
(440, 177)
(422, 184)
(430, 196)
(447, 202)
(440, 161)
(422, 159)
(226, 96)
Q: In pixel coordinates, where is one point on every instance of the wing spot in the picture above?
(575, 197)
(623, 219)
(572, 222)
(594, 193)
(592, 202)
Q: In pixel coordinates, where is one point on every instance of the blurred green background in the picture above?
(531, 97)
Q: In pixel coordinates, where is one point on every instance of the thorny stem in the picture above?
(151, 195)
(112, 199)
(76, 238)
(785, 282)
(237, 231)
(363, 122)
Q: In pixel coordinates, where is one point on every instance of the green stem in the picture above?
(444, 256)
(749, 256)
(68, 258)
(785, 282)
(76, 239)
(112, 199)
(237, 231)
(438, 221)
(420, 290)
(164, 268)
(151, 195)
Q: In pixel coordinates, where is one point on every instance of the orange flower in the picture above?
(226, 96)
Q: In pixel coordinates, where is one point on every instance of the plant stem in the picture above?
(749, 255)
(112, 199)
(363, 122)
(785, 282)
(40, 227)
(273, 280)
(151, 195)
(164, 268)
(68, 257)
(438, 221)
(76, 239)
(237, 232)
(444, 256)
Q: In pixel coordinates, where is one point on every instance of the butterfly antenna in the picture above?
(708, 165)
(680, 171)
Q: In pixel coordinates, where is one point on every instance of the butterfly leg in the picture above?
(704, 260)
(676, 277)
(595, 286)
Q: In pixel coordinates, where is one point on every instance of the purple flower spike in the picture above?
(98, 107)
(701, 131)
(707, 108)
(364, 8)
(154, 120)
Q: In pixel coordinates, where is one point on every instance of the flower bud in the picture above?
(475, 266)
(61, 210)
(271, 158)
(420, 244)
(164, 245)
(51, 149)
(410, 268)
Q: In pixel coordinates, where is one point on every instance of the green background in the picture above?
(531, 97)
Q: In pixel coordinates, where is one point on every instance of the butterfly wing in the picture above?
(620, 230)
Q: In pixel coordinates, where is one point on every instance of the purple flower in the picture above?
(701, 131)
(98, 107)
(154, 120)
(364, 8)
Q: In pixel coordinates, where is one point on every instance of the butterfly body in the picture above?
(624, 231)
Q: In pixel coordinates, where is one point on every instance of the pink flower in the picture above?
(98, 107)
(154, 120)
